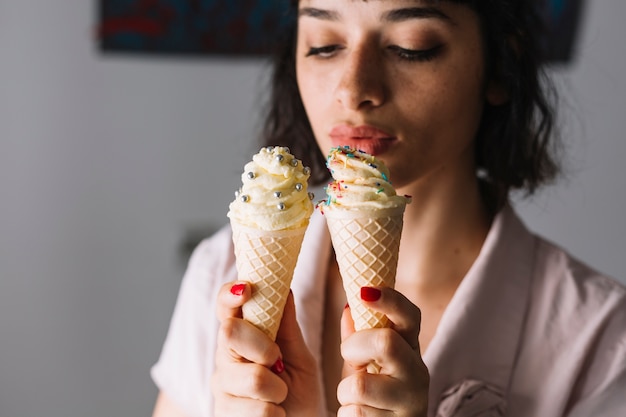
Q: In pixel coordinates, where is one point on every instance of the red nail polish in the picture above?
(238, 289)
(278, 367)
(346, 306)
(370, 294)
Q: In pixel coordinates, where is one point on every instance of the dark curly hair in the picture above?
(515, 141)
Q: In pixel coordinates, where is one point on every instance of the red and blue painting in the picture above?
(250, 27)
(223, 27)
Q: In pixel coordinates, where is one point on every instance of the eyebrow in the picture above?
(394, 16)
(322, 14)
(400, 15)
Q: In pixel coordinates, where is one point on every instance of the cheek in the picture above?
(313, 90)
(451, 96)
(313, 102)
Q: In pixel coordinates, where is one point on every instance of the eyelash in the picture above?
(421, 55)
(410, 55)
(323, 51)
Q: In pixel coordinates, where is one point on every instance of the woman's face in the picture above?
(400, 79)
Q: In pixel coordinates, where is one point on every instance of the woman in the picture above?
(488, 319)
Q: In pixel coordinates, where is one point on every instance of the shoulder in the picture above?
(573, 348)
(211, 249)
(578, 316)
(212, 261)
(573, 284)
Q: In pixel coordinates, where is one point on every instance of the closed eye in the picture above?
(325, 51)
(419, 55)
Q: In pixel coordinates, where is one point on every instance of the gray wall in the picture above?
(107, 162)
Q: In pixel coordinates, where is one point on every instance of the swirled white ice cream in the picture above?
(360, 182)
(274, 194)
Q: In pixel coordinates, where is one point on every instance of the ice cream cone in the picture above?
(366, 246)
(267, 260)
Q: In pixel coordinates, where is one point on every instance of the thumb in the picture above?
(347, 324)
(347, 330)
(289, 336)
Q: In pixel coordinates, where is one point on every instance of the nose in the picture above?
(362, 84)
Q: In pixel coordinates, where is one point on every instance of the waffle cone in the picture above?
(366, 247)
(266, 259)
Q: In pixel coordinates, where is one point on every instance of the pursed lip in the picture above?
(359, 132)
(367, 138)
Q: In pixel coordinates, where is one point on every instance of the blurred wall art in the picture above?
(249, 27)
(222, 27)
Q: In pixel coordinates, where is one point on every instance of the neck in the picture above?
(444, 230)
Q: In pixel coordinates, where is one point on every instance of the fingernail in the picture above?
(278, 367)
(370, 294)
(238, 289)
(346, 306)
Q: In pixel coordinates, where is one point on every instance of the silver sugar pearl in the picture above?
(280, 206)
(307, 171)
(245, 198)
(278, 194)
(251, 175)
(299, 187)
(237, 193)
(311, 196)
(294, 162)
(280, 158)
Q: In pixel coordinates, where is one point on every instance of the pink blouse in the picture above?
(529, 332)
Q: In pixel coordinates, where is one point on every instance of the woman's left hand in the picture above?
(401, 387)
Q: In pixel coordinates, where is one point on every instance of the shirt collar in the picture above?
(478, 335)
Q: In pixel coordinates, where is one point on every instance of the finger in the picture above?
(385, 347)
(250, 380)
(347, 323)
(405, 316)
(289, 334)
(296, 354)
(231, 297)
(352, 410)
(245, 407)
(347, 330)
(239, 340)
(381, 392)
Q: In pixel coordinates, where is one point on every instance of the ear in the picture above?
(496, 93)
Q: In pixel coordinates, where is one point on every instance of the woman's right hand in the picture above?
(255, 376)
